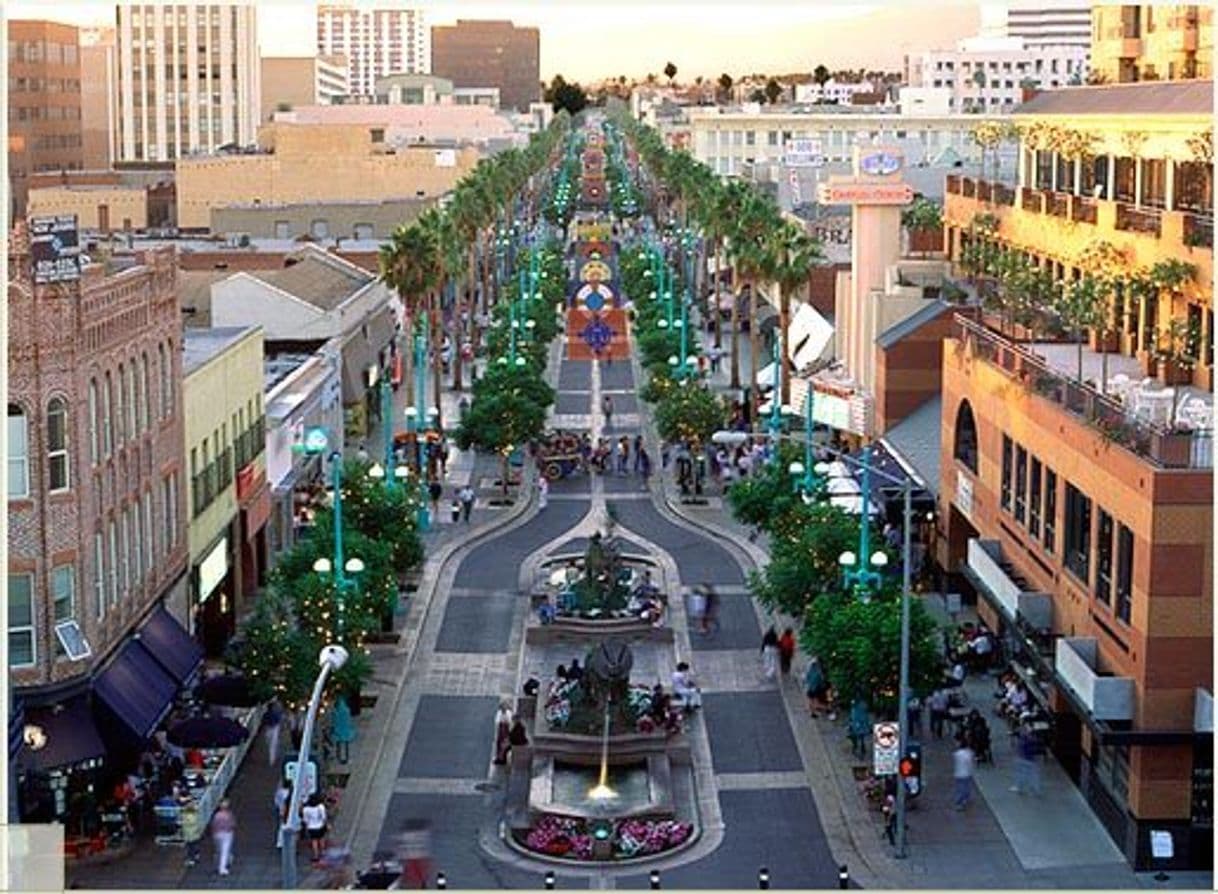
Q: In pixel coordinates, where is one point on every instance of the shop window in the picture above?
(1034, 502)
(1021, 483)
(94, 452)
(1103, 559)
(99, 575)
(18, 453)
(107, 420)
(1050, 540)
(57, 444)
(1078, 533)
(1124, 576)
(21, 645)
(1111, 768)
(1008, 450)
(965, 449)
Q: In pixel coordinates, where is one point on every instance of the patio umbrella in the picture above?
(838, 469)
(207, 732)
(230, 690)
(843, 487)
(853, 504)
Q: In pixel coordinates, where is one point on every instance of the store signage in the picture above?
(55, 248)
(854, 193)
(1161, 845)
(964, 494)
(803, 153)
(213, 569)
(880, 164)
(886, 748)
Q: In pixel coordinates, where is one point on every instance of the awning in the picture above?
(765, 376)
(136, 689)
(171, 645)
(807, 336)
(69, 734)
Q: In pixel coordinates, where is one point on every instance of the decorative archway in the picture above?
(964, 447)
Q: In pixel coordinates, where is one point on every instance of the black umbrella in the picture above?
(230, 690)
(207, 732)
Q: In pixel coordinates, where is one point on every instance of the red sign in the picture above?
(865, 194)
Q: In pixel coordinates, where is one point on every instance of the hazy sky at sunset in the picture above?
(588, 40)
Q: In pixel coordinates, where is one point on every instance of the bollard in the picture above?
(655, 879)
(843, 877)
(550, 881)
(763, 879)
(441, 881)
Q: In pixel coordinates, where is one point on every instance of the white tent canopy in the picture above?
(808, 336)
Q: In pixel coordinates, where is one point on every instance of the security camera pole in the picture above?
(331, 659)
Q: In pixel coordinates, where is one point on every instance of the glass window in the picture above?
(1103, 559)
(57, 443)
(1050, 509)
(94, 454)
(99, 575)
(1078, 533)
(1034, 502)
(120, 417)
(113, 562)
(107, 433)
(63, 595)
(125, 533)
(1021, 483)
(1124, 576)
(18, 454)
(966, 437)
(149, 532)
(146, 410)
(137, 545)
(1007, 450)
(164, 368)
(21, 647)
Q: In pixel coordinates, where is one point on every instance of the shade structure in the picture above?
(843, 487)
(69, 736)
(231, 690)
(853, 504)
(838, 469)
(136, 689)
(172, 647)
(207, 732)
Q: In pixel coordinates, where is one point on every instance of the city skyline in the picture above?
(777, 37)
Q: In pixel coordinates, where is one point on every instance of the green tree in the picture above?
(923, 215)
(500, 422)
(804, 551)
(670, 72)
(794, 254)
(758, 95)
(821, 75)
(773, 90)
(1078, 304)
(725, 85)
(385, 514)
(689, 411)
(564, 95)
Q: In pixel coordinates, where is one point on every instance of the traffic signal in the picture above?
(910, 768)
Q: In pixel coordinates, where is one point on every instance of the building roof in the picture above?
(201, 345)
(317, 278)
(425, 122)
(916, 440)
(194, 291)
(911, 323)
(1141, 98)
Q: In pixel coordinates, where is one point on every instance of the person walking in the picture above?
(283, 801)
(466, 496)
(938, 712)
(607, 409)
(786, 651)
(435, 490)
(223, 829)
(414, 853)
(1027, 763)
(697, 608)
(503, 732)
(638, 454)
(623, 454)
(644, 460)
(964, 762)
(314, 817)
(815, 687)
(543, 491)
(769, 654)
(274, 723)
(859, 726)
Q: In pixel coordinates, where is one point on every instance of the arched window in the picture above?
(107, 417)
(94, 451)
(57, 444)
(120, 406)
(137, 400)
(965, 447)
(169, 380)
(18, 453)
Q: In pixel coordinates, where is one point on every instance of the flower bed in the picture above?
(559, 836)
(565, 695)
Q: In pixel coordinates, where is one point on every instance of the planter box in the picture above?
(1174, 373)
(1106, 344)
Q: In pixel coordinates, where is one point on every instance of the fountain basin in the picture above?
(644, 789)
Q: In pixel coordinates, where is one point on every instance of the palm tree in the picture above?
(670, 72)
(821, 75)
(725, 84)
(795, 253)
(408, 266)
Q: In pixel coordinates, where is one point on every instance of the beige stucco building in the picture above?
(291, 81)
(103, 207)
(1144, 42)
(315, 163)
(225, 456)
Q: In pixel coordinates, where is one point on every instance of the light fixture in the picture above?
(795, 468)
(376, 471)
(879, 559)
(847, 559)
(354, 565)
(34, 736)
(323, 565)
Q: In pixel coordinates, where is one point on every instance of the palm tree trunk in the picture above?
(408, 322)
(784, 323)
(754, 403)
(735, 332)
(437, 339)
(486, 276)
(459, 327)
(714, 299)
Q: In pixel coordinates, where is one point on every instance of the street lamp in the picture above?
(331, 660)
(864, 578)
(414, 427)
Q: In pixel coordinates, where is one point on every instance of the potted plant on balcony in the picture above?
(1176, 350)
(1079, 304)
(924, 220)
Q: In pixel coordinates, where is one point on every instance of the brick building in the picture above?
(96, 507)
(44, 103)
(490, 54)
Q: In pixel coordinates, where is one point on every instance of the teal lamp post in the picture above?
(805, 476)
(391, 472)
(864, 579)
(775, 394)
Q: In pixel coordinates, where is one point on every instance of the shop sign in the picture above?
(848, 193)
(803, 153)
(55, 248)
(880, 164)
(964, 494)
(310, 776)
(213, 569)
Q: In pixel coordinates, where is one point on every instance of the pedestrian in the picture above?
(519, 735)
(815, 686)
(623, 455)
(685, 689)
(697, 608)
(607, 409)
(466, 496)
(435, 490)
(890, 819)
(938, 712)
(503, 732)
(859, 726)
(414, 852)
(283, 803)
(913, 716)
(963, 764)
(274, 723)
(443, 456)
(638, 454)
(645, 465)
(786, 651)
(612, 451)
(313, 815)
(1027, 762)
(543, 491)
(223, 828)
(769, 653)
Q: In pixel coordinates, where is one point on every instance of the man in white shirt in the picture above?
(963, 763)
(685, 689)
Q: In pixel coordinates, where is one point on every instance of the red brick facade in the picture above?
(123, 331)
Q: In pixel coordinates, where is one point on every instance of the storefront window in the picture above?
(1103, 556)
(1112, 770)
(1050, 510)
(1007, 450)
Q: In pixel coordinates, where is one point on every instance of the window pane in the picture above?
(1021, 479)
(1034, 485)
(1007, 449)
(1124, 584)
(18, 466)
(1050, 510)
(20, 600)
(63, 589)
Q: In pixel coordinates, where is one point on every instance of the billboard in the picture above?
(55, 248)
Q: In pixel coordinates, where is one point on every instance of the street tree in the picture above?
(821, 75)
(670, 72)
(773, 90)
(689, 412)
(725, 84)
(501, 422)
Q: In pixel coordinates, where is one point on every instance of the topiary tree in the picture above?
(499, 422)
(689, 412)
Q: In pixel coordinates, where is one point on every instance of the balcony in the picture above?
(1084, 210)
(1003, 194)
(1104, 696)
(1057, 204)
(968, 188)
(1032, 200)
(997, 578)
(1164, 446)
(953, 184)
(1139, 220)
(1198, 231)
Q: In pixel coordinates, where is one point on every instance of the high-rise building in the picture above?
(1152, 42)
(302, 81)
(98, 75)
(187, 79)
(44, 131)
(376, 42)
(490, 54)
(1041, 24)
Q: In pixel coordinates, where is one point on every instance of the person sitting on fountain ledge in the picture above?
(685, 689)
(575, 672)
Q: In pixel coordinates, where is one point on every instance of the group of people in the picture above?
(616, 456)
(510, 731)
(777, 652)
(729, 464)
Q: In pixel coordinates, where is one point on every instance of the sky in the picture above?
(586, 40)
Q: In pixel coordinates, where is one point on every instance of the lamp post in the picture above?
(775, 404)
(331, 660)
(855, 571)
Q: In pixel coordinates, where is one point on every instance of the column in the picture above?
(1137, 183)
(1078, 176)
(1169, 188)
(1110, 186)
(1053, 172)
